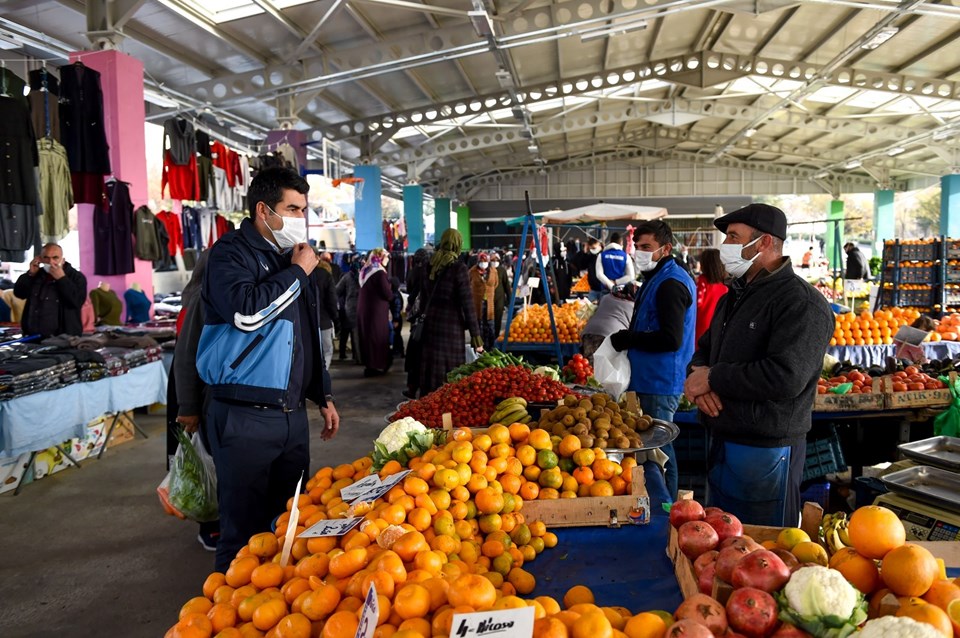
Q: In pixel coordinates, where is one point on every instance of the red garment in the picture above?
(219, 153)
(234, 177)
(223, 225)
(171, 222)
(184, 181)
(180, 317)
(88, 188)
(708, 295)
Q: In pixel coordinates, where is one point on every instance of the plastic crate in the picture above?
(919, 252)
(952, 249)
(888, 298)
(891, 252)
(919, 274)
(817, 493)
(953, 274)
(919, 298)
(824, 456)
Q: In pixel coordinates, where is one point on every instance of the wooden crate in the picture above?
(917, 398)
(871, 402)
(586, 511)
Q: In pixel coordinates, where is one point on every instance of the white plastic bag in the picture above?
(192, 482)
(611, 369)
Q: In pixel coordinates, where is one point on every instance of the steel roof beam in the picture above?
(211, 27)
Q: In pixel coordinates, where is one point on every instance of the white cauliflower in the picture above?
(396, 435)
(820, 601)
(897, 627)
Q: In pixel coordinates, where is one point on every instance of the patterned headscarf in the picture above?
(374, 263)
(451, 244)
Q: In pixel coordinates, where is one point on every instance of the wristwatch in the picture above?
(328, 398)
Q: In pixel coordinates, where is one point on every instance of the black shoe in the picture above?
(208, 540)
(409, 394)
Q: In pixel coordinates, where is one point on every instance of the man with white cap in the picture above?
(754, 376)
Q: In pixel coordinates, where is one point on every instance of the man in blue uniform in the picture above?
(614, 267)
(260, 355)
(660, 340)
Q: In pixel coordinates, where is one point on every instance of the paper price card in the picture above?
(376, 492)
(351, 492)
(370, 615)
(506, 623)
(393, 479)
(331, 527)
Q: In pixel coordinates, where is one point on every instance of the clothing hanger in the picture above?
(3, 79)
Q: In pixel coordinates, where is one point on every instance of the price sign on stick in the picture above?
(331, 527)
(370, 614)
(506, 623)
(291, 525)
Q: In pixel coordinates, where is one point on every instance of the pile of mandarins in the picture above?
(873, 329)
(532, 324)
(451, 537)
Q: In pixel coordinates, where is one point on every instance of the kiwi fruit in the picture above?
(580, 429)
(580, 414)
(602, 444)
(599, 400)
(586, 441)
(568, 420)
(570, 401)
(593, 414)
(586, 404)
(558, 429)
(622, 442)
(615, 432)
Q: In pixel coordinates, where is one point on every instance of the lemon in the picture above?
(790, 537)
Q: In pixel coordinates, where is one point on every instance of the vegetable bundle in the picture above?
(491, 359)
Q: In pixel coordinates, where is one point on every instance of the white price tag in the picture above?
(351, 492)
(512, 623)
(533, 282)
(374, 493)
(370, 614)
(291, 525)
(393, 479)
(331, 527)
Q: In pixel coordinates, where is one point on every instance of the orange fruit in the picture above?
(240, 569)
(498, 433)
(348, 563)
(576, 595)
(601, 488)
(488, 501)
(860, 572)
(519, 432)
(321, 602)
(342, 624)
(645, 625)
(195, 625)
(321, 545)
(875, 530)
(550, 605)
(198, 605)
(222, 615)
(268, 614)
(909, 570)
(409, 545)
(540, 440)
(213, 582)
(568, 445)
(412, 601)
(941, 593)
(922, 611)
(594, 624)
(267, 575)
(953, 612)
(474, 591)
(264, 545)
(522, 580)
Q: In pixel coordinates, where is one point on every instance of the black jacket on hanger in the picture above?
(113, 231)
(81, 120)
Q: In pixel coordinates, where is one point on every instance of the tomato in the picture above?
(899, 387)
(911, 370)
(855, 376)
(915, 386)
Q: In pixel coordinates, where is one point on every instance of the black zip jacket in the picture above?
(765, 350)
(53, 306)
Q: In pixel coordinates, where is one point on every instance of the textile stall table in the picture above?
(866, 356)
(46, 419)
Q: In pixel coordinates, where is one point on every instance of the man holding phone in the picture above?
(54, 291)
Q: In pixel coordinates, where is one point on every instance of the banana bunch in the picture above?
(512, 410)
(833, 528)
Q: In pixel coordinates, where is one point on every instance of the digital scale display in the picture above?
(922, 522)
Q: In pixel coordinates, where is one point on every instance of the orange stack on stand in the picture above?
(873, 329)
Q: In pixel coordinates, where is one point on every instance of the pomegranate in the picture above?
(786, 630)
(695, 538)
(762, 570)
(707, 511)
(752, 612)
(788, 558)
(726, 524)
(704, 610)
(703, 560)
(728, 559)
(688, 629)
(684, 511)
(740, 540)
(705, 579)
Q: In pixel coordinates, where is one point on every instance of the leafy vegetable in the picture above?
(492, 359)
(820, 601)
(193, 482)
(401, 441)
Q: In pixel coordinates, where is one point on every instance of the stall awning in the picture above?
(596, 214)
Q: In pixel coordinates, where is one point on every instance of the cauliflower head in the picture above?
(820, 601)
(897, 627)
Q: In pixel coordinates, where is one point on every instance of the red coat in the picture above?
(707, 297)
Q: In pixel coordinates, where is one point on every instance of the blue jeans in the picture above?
(663, 407)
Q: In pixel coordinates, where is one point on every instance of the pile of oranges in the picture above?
(532, 324)
(949, 328)
(872, 329)
(451, 537)
(896, 576)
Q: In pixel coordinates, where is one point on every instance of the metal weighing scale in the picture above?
(925, 490)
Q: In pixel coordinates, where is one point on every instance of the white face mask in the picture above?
(44, 266)
(292, 232)
(495, 264)
(733, 261)
(644, 260)
(595, 250)
(482, 265)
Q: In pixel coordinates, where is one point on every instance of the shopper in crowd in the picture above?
(755, 373)
(807, 258)
(260, 355)
(710, 288)
(564, 272)
(659, 342)
(612, 315)
(417, 279)
(326, 291)
(396, 319)
(448, 308)
(54, 292)
(857, 267)
(189, 400)
(586, 263)
(373, 314)
(614, 267)
(483, 286)
(688, 261)
(348, 294)
(335, 272)
(502, 294)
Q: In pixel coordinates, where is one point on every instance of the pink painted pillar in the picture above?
(121, 78)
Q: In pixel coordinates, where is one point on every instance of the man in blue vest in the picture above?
(614, 267)
(754, 376)
(660, 340)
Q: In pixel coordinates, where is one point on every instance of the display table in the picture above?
(46, 419)
(626, 567)
(546, 348)
(866, 356)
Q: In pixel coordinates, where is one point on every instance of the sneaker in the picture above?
(208, 541)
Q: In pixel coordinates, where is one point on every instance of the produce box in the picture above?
(52, 460)
(916, 398)
(587, 510)
(869, 402)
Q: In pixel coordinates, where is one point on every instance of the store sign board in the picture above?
(505, 623)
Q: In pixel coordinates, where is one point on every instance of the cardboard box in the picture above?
(52, 460)
(92, 442)
(123, 431)
(589, 511)
(12, 470)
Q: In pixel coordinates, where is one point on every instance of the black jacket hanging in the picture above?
(81, 120)
(113, 231)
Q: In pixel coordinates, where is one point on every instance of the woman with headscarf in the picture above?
(373, 314)
(448, 307)
(483, 287)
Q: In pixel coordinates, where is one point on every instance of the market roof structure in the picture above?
(447, 91)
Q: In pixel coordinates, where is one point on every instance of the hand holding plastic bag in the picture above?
(611, 368)
(192, 481)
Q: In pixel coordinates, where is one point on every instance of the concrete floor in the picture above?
(89, 552)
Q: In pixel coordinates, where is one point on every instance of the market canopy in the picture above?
(596, 214)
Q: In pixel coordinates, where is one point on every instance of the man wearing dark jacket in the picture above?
(755, 373)
(260, 356)
(326, 291)
(660, 339)
(54, 291)
(857, 267)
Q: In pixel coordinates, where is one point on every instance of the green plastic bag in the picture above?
(947, 423)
